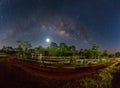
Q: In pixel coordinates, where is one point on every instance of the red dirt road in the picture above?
(11, 77)
(58, 73)
(14, 74)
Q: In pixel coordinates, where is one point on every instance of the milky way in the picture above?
(81, 23)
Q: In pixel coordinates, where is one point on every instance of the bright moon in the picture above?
(48, 40)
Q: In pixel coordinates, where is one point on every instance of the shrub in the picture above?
(73, 62)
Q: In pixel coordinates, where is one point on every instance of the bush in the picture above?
(73, 62)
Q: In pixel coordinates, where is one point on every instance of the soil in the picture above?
(15, 74)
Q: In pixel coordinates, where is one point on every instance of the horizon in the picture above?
(49, 43)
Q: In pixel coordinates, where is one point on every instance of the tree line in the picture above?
(61, 50)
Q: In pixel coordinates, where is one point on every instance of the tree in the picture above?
(23, 48)
(53, 45)
(117, 54)
(53, 49)
(38, 50)
(72, 49)
(19, 51)
(81, 54)
(88, 53)
(63, 49)
(8, 49)
(105, 54)
(95, 51)
(63, 45)
(27, 46)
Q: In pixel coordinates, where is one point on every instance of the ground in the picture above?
(15, 75)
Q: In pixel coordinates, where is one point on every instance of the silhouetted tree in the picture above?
(63, 49)
(95, 51)
(88, 53)
(23, 48)
(39, 50)
(117, 54)
(72, 49)
(53, 45)
(105, 54)
(8, 49)
(81, 54)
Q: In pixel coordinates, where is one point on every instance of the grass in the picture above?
(103, 79)
(73, 63)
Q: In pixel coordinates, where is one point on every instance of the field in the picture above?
(19, 74)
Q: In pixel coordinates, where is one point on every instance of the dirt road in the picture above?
(59, 73)
(21, 75)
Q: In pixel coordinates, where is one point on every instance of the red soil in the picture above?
(58, 73)
(14, 74)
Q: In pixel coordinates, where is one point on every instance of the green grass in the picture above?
(103, 79)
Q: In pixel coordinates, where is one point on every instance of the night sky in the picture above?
(76, 22)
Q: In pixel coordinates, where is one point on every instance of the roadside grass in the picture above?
(102, 79)
(72, 63)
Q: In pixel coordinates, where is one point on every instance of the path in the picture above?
(58, 73)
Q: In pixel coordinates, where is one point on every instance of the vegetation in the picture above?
(58, 50)
(117, 54)
(95, 51)
(23, 48)
(8, 50)
(61, 51)
(102, 79)
(105, 54)
(73, 62)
